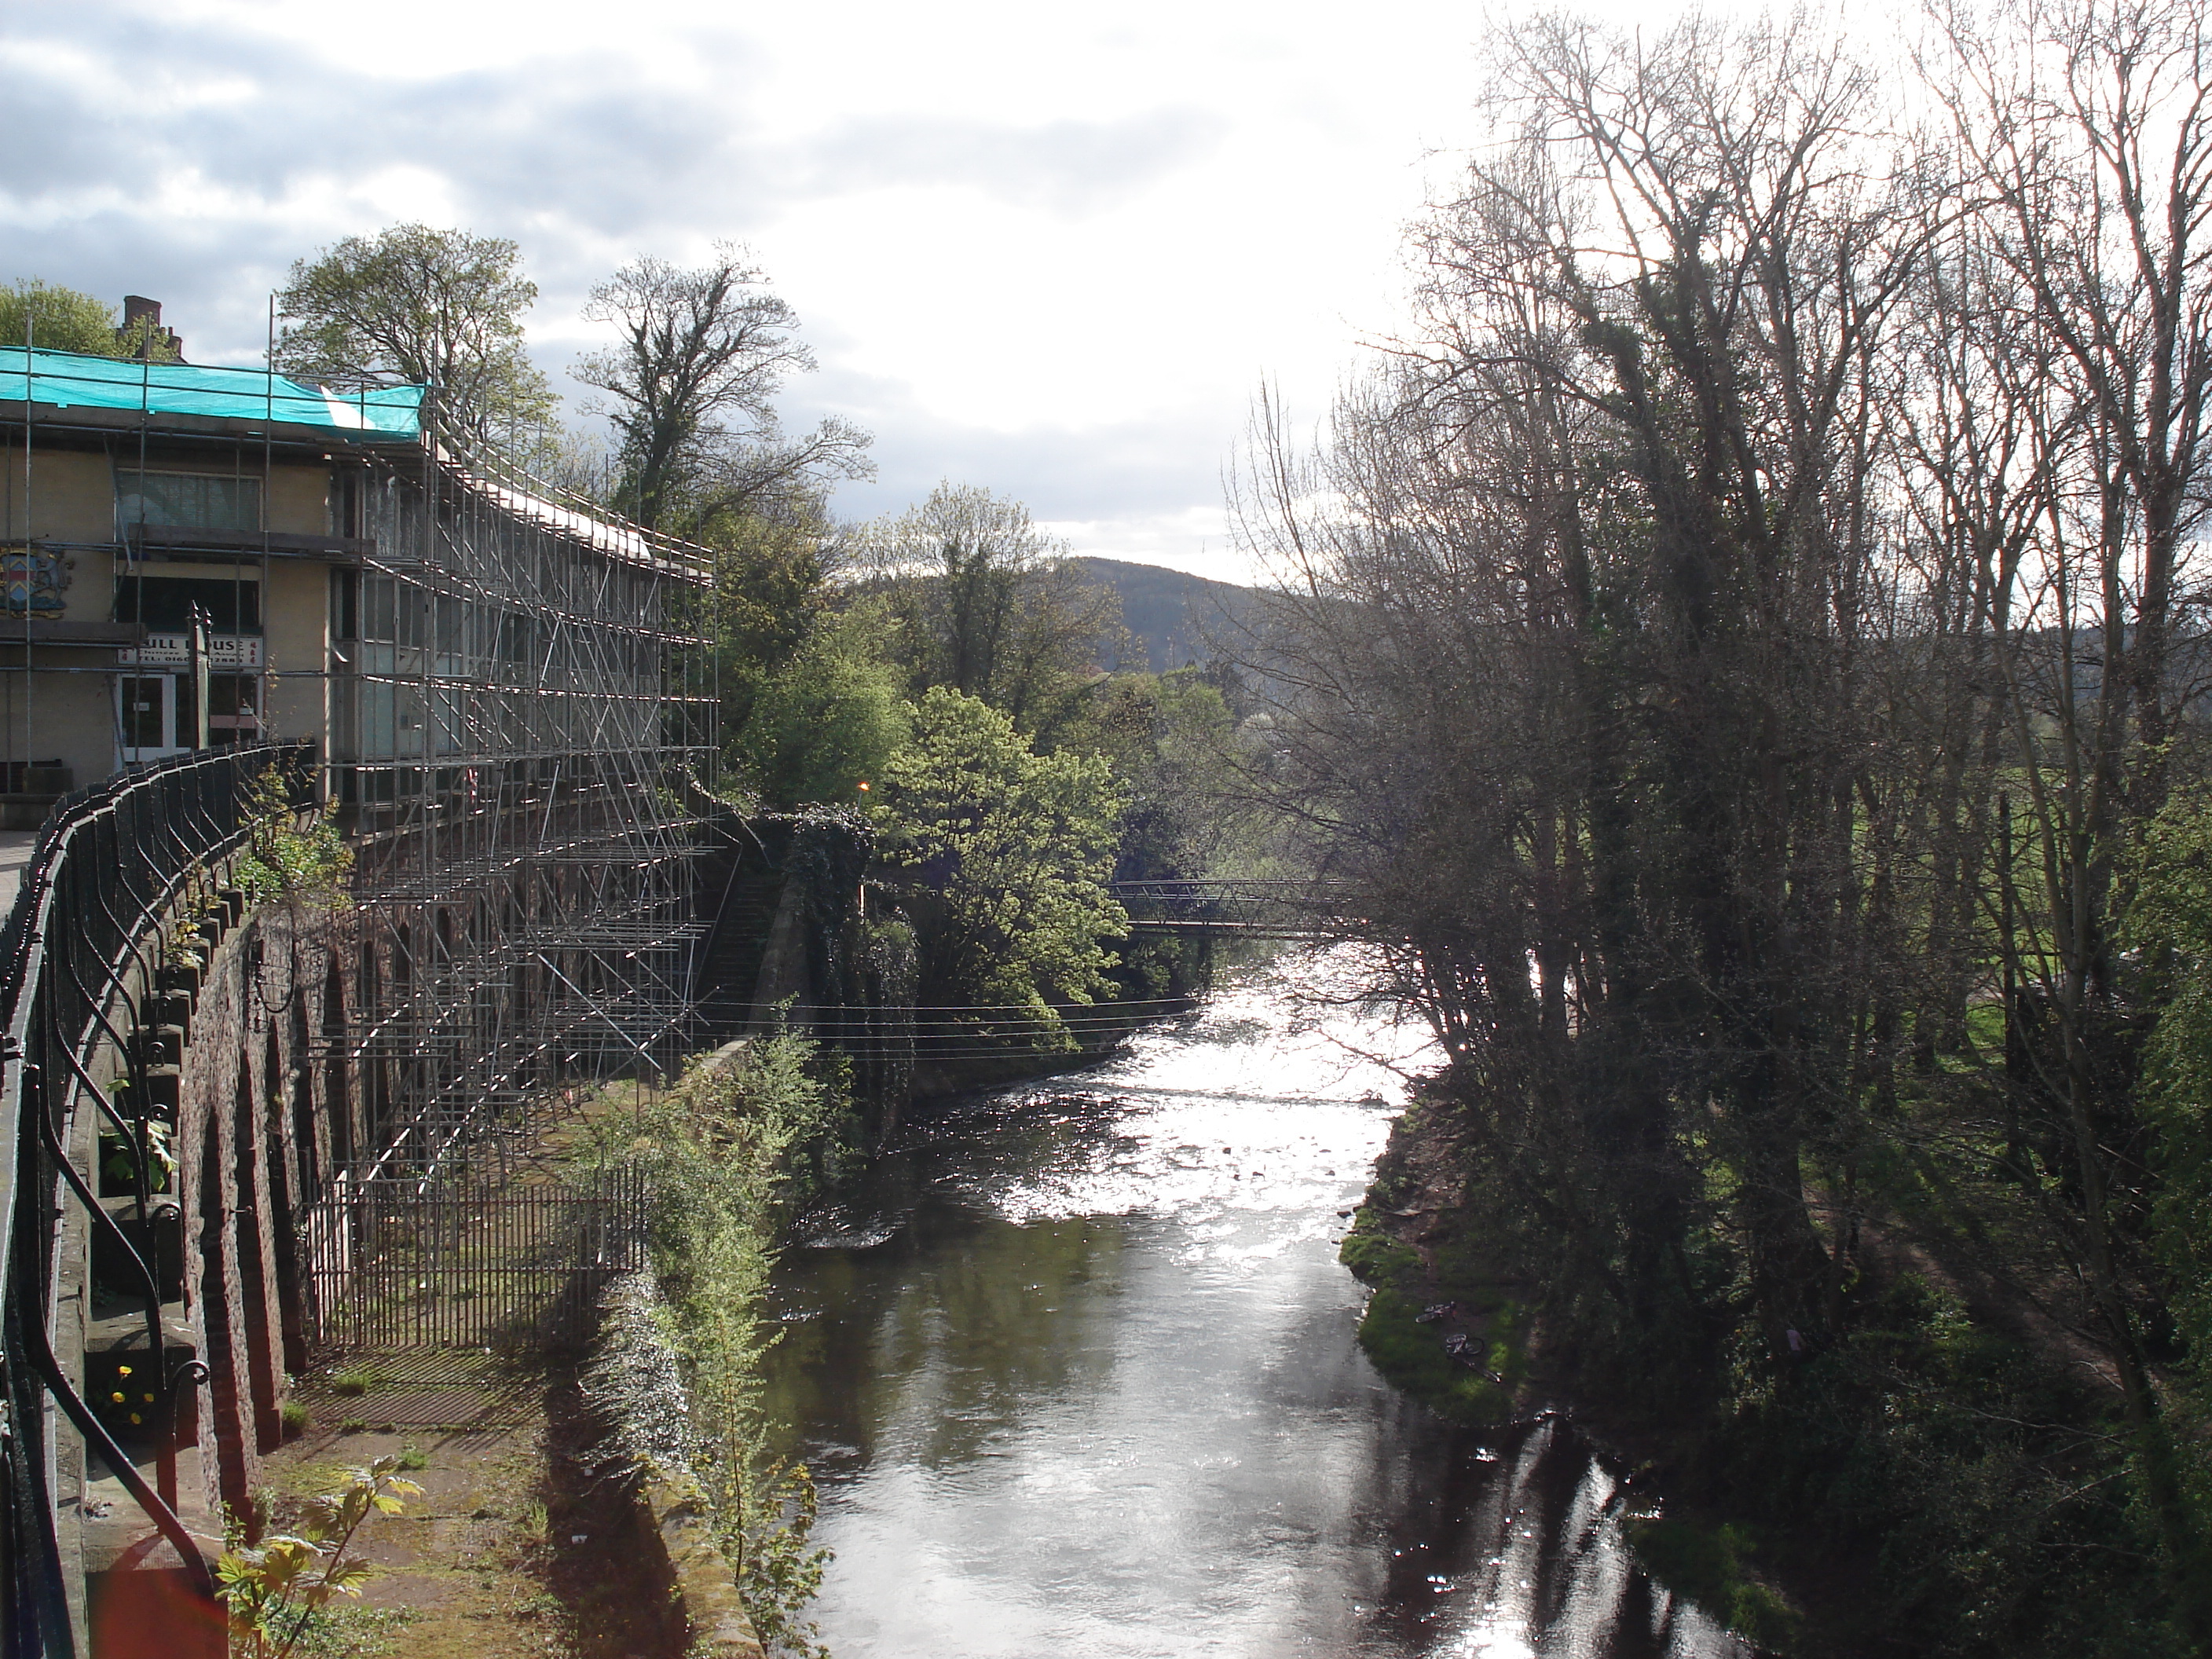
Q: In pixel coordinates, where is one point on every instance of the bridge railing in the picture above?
(112, 862)
(1285, 909)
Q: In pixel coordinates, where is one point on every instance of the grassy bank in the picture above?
(730, 1154)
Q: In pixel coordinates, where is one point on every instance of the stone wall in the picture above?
(266, 1111)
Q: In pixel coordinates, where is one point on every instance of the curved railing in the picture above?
(111, 864)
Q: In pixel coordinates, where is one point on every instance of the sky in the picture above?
(1050, 249)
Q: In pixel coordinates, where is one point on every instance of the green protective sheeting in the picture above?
(64, 379)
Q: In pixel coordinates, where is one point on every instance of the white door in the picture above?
(152, 712)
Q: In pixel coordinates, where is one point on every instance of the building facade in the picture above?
(493, 689)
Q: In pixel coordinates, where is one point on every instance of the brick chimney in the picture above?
(138, 308)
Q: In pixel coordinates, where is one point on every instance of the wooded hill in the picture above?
(1177, 620)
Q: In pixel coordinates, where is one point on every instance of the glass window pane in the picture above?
(140, 696)
(193, 500)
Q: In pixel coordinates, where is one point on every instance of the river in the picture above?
(1076, 1376)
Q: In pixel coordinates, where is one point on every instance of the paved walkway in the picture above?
(16, 847)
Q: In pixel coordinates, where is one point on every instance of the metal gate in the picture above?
(407, 1261)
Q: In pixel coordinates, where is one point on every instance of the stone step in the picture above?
(116, 1362)
(171, 1009)
(160, 1045)
(138, 1598)
(163, 1229)
(165, 1091)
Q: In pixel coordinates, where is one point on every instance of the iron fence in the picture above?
(112, 862)
(466, 1259)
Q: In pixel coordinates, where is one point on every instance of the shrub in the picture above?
(285, 859)
(1706, 1564)
(728, 1155)
(272, 1589)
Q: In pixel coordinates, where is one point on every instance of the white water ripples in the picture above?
(1078, 1375)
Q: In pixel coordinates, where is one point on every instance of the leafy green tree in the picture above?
(56, 319)
(771, 591)
(1010, 852)
(411, 306)
(2173, 917)
(829, 720)
(1168, 735)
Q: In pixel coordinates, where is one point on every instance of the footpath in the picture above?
(523, 1545)
(533, 1537)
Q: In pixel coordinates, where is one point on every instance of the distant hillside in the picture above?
(1170, 613)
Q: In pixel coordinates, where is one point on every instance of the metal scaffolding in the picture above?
(513, 707)
(515, 710)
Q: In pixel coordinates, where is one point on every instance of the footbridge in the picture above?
(1260, 909)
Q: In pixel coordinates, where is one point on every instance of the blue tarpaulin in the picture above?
(64, 379)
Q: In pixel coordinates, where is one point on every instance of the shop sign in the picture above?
(226, 653)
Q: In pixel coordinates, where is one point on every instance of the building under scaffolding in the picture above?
(510, 764)
(502, 680)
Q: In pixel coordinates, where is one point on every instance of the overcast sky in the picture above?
(1048, 249)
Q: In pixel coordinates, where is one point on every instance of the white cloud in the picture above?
(1050, 249)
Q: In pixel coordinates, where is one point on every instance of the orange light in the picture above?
(864, 786)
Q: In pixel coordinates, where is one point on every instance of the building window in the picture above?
(191, 500)
(163, 604)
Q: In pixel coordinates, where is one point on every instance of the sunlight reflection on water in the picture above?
(1079, 1377)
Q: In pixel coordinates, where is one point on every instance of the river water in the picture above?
(1076, 1376)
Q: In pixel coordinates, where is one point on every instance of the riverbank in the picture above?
(1891, 1492)
(1457, 1324)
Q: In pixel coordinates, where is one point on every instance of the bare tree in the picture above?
(699, 357)
(2083, 128)
(1616, 502)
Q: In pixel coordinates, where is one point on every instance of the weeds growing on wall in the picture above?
(729, 1153)
(283, 859)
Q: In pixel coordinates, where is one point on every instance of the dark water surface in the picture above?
(1077, 1376)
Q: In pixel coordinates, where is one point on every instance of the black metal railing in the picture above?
(79, 948)
(468, 1258)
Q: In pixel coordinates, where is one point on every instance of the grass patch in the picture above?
(1411, 1356)
(349, 1631)
(355, 1380)
(1377, 1259)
